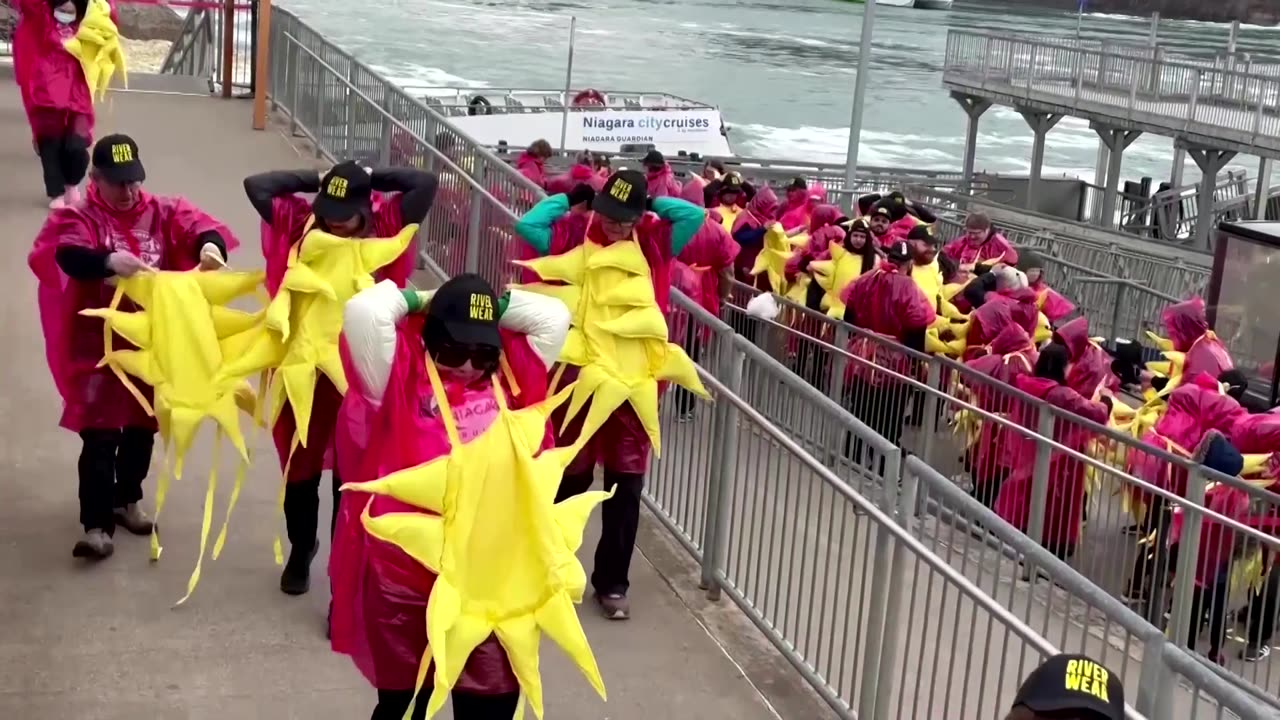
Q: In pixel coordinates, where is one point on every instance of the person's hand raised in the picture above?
(125, 264)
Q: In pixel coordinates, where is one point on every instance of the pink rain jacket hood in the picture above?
(1090, 365)
(663, 183)
(533, 168)
(577, 175)
(797, 215)
(1188, 330)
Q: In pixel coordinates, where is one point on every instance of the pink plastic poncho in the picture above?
(577, 175)
(1194, 408)
(993, 249)
(710, 251)
(1065, 501)
(761, 211)
(1052, 304)
(1012, 355)
(160, 230)
(891, 304)
(1090, 367)
(379, 592)
(663, 183)
(1000, 310)
(1188, 330)
(797, 215)
(48, 77)
(621, 444)
(289, 216)
(533, 168)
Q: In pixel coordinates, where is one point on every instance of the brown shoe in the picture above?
(614, 606)
(95, 545)
(132, 518)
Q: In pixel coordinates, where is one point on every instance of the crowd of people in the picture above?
(394, 382)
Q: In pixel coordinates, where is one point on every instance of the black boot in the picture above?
(296, 578)
(301, 506)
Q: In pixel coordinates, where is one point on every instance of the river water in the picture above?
(781, 71)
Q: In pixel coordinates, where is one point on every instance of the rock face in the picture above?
(1253, 12)
(148, 22)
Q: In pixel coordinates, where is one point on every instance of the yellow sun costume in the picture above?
(773, 257)
(834, 275)
(618, 335)
(185, 334)
(502, 549)
(96, 45)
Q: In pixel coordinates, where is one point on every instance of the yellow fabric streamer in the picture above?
(773, 257)
(96, 45)
(618, 335)
(502, 549)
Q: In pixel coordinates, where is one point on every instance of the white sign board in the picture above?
(693, 130)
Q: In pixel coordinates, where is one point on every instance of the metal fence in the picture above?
(792, 504)
(218, 42)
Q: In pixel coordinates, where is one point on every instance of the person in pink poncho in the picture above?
(370, 203)
(980, 245)
(1187, 328)
(1011, 303)
(54, 92)
(1054, 306)
(749, 229)
(1011, 355)
(1090, 367)
(903, 216)
(532, 163)
(389, 421)
(581, 172)
(1260, 434)
(887, 302)
(797, 216)
(1064, 505)
(118, 230)
(660, 177)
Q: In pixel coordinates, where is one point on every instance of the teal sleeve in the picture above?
(535, 226)
(685, 218)
(503, 301)
(413, 300)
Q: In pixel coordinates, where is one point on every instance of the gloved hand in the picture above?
(211, 257)
(581, 193)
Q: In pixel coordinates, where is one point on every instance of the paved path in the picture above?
(101, 642)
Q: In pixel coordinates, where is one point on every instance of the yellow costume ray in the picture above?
(502, 549)
(618, 336)
(834, 275)
(184, 333)
(298, 337)
(773, 257)
(96, 45)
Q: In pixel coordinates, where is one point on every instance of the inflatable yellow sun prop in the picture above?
(772, 260)
(184, 333)
(618, 335)
(834, 275)
(502, 549)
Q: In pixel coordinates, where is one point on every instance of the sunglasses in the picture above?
(452, 355)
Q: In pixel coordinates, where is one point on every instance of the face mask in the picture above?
(64, 17)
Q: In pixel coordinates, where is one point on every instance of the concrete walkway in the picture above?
(103, 643)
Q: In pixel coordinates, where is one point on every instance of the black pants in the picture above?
(113, 464)
(64, 161)
(1262, 610)
(302, 511)
(880, 407)
(619, 521)
(1210, 601)
(392, 705)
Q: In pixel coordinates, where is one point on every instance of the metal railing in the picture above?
(218, 44)
(1153, 87)
(761, 482)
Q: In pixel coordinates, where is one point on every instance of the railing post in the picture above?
(474, 218)
(879, 632)
(1155, 681)
(291, 69)
(1121, 287)
(319, 120)
(928, 424)
(1040, 475)
(348, 93)
(715, 551)
(839, 364)
(1184, 579)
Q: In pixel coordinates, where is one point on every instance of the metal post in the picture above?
(1153, 39)
(1184, 579)
(716, 555)
(859, 93)
(1080, 19)
(474, 219)
(568, 82)
(929, 427)
(228, 45)
(974, 107)
(1179, 165)
(388, 128)
(1116, 141)
(1041, 124)
(1121, 287)
(1262, 192)
(263, 63)
(878, 630)
(1040, 475)
(1211, 163)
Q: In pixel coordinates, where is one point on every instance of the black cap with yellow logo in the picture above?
(116, 160)
(1073, 683)
(345, 191)
(623, 197)
(467, 308)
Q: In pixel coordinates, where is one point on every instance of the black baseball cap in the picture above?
(116, 159)
(467, 307)
(1074, 683)
(653, 158)
(798, 184)
(623, 197)
(731, 183)
(345, 191)
(922, 232)
(899, 252)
